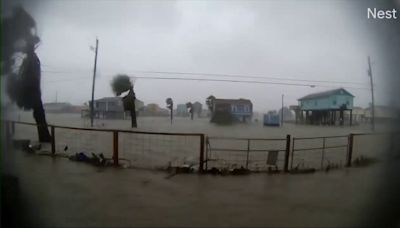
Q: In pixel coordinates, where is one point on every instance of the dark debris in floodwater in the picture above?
(97, 160)
(302, 171)
(225, 171)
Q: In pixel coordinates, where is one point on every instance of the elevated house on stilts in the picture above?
(325, 108)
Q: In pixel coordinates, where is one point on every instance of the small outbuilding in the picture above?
(272, 119)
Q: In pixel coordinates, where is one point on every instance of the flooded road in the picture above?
(59, 192)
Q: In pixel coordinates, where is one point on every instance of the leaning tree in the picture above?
(170, 106)
(189, 106)
(122, 83)
(23, 82)
(210, 103)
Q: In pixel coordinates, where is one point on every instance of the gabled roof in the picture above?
(232, 101)
(326, 94)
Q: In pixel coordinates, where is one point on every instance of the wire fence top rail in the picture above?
(246, 150)
(377, 133)
(321, 137)
(111, 130)
(319, 148)
(246, 139)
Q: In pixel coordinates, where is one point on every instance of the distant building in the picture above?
(112, 108)
(272, 118)
(326, 107)
(181, 110)
(382, 113)
(197, 108)
(358, 115)
(154, 110)
(55, 107)
(239, 109)
(62, 107)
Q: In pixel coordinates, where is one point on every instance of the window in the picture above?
(334, 102)
(347, 102)
(315, 103)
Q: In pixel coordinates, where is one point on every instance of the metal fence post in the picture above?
(323, 153)
(350, 150)
(207, 143)
(291, 158)
(53, 140)
(7, 132)
(12, 128)
(248, 152)
(115, 148)
(201, 157)
(287, 152)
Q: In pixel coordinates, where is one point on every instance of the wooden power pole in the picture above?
(372, 94)
(93, 83)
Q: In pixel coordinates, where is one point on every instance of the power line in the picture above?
(226, 80)
(66, 80)
(64, 72)
(248, 76)
(240, 81)
(231, 76)
(215, 80)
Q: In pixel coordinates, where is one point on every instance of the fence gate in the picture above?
(319, 152)
(255, 154)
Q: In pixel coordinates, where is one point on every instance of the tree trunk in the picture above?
(133, 119)
(133, 110)
(40, 119)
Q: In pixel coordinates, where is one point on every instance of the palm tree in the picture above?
(170, 106)
(189, 106)
(24, 87)
(210, 103)
(122, 83)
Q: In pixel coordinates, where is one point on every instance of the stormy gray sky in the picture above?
(308, 40)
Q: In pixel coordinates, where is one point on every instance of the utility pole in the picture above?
(372, 95)
(93, 83)
(282, 112)
(56, 96)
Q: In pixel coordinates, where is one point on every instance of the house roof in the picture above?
(230, 101)
(325, 94)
